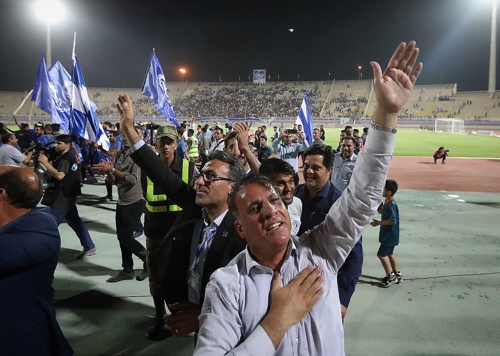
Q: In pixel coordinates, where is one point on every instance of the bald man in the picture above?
(29, 251)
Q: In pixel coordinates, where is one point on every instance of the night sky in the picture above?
(230, 38)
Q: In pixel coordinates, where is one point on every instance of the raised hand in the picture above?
(126, 111)
(393, 87)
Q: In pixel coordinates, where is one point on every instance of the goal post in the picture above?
(454, 126)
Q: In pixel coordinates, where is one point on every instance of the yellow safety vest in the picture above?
(155, 203)
(193, 151)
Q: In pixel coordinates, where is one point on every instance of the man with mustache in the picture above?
(280, 296)
(203, 237)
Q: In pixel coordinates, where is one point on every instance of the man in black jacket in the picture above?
(63, 179)
(202, 239)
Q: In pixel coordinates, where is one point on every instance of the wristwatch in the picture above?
(380, 127)
(112, 171)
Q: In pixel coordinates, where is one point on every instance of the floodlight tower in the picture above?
(183, 71)
(492, 78)
(49, 11)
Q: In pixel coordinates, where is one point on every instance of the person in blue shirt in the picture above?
(40, 134)
(181, 145)
(389, 234)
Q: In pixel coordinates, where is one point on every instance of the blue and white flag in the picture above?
(42, 94)
(155, 87)
(305, 119)
(83, 121)
(61, 86)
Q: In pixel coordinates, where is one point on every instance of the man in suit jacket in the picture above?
(29, 251)
(203, 238)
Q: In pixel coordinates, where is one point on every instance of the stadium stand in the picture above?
(330, 102)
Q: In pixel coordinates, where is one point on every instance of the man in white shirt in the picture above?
(218, 145)
(279, 296)
(344, 163)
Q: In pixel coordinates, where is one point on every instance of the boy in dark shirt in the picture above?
(389, 234)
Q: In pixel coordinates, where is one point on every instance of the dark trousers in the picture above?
(436, 157)
(75, 222)
(126, 221)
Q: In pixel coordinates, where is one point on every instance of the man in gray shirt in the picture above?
(127, 176)
(10, 155)
(317, 138)
(344, 163)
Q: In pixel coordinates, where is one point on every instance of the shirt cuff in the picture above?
(380, 141)
(259, 343)
(137, 146)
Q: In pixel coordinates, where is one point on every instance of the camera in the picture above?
(40, 147)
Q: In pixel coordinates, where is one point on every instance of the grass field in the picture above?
(424, 143)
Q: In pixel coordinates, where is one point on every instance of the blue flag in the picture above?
(155, 87)
(305, 119)
(42, 94)
(61, 86)
(83, 121)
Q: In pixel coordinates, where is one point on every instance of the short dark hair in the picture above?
(191, 131)
(324, 150)
(22, 193)
(355, 130)
(6, 138)
(55, 127)
(220, 129)
(263, 137)
(365, 129)
(237, 171)
(67, 139)
(391, 185)
(348, 127)
(253, 179)
(272, 166)
(349, 138)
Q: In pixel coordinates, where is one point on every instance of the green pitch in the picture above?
(424, 143)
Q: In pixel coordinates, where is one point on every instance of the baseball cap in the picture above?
(167, 131)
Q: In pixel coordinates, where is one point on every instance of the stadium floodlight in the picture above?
(49, 11)
(183, 71)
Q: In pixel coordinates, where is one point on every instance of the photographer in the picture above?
(441, 153)
(63, 177)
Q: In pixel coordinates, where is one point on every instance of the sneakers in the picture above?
(86, 253)
(399, 277)
(156, 328)
(122, 276)
(388, 280)
(443, 162)
(106, 198)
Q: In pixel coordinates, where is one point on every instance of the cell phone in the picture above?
(292, 131)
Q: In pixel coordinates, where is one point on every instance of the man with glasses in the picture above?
(63, 179)
(203, 238)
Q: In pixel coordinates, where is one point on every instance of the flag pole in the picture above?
(20, 106)
(31, 112)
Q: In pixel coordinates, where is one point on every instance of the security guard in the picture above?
(193, 150)
(160, 214)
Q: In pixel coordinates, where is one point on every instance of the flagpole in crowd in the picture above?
(20, 106)
(155, 87)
